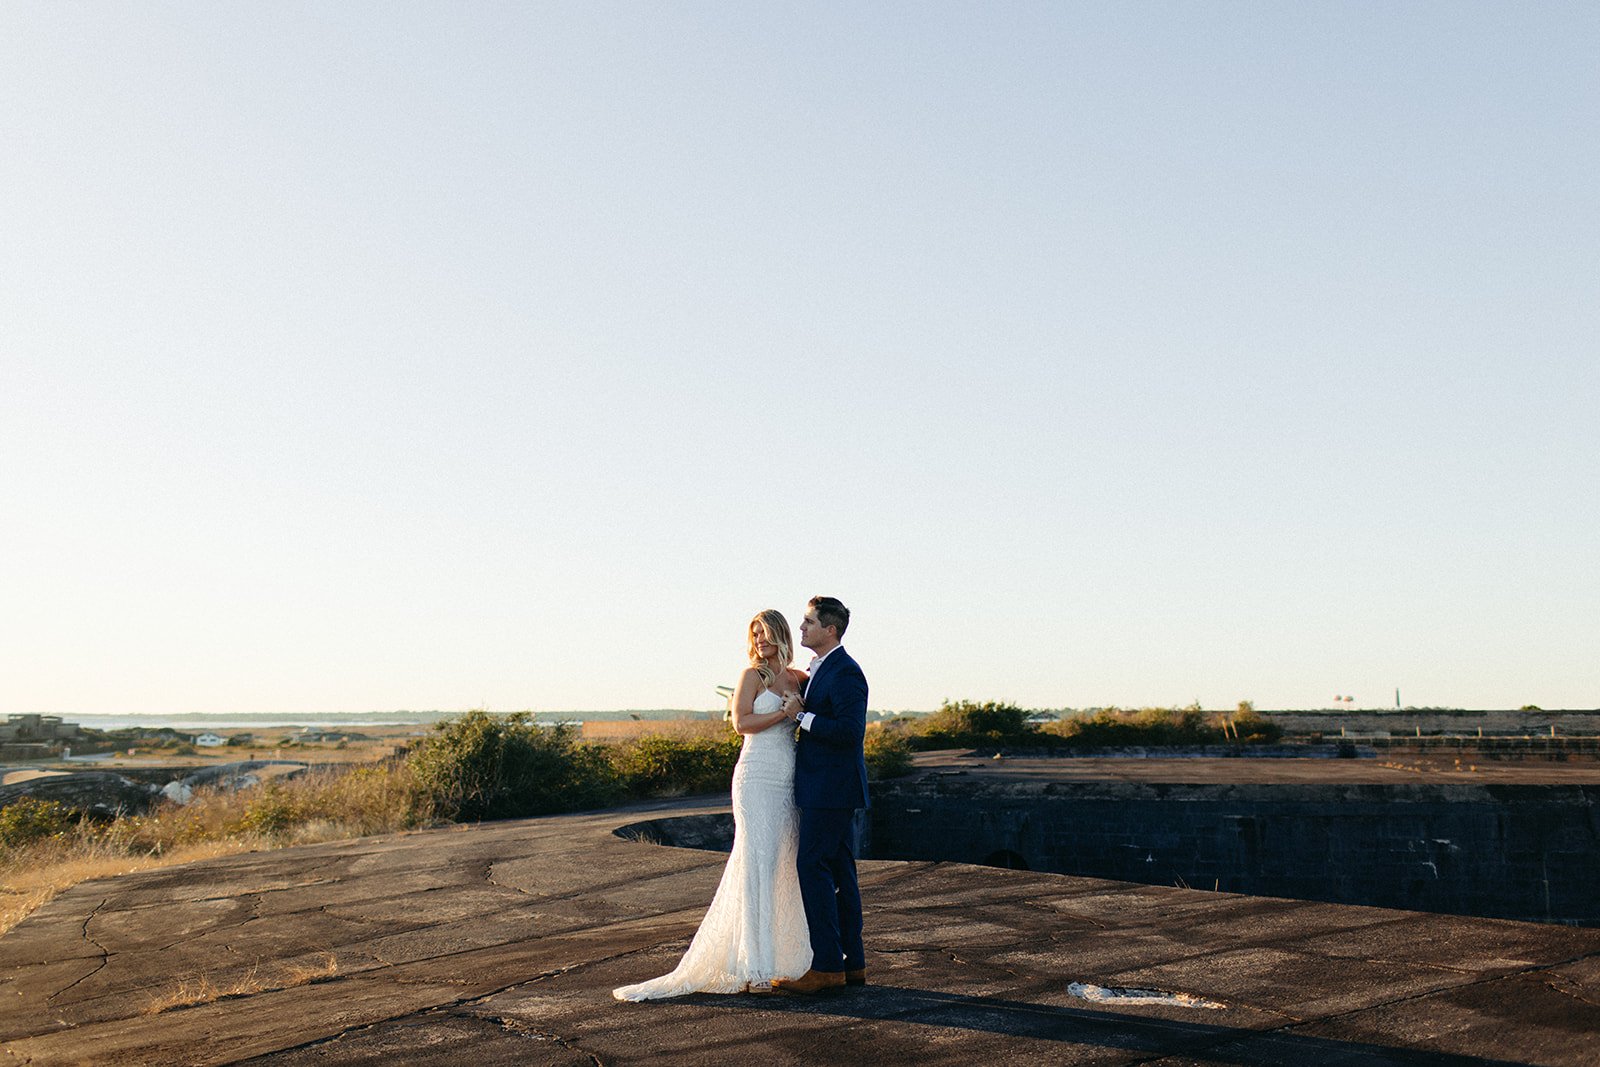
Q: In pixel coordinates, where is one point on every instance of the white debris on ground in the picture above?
(1125, 995)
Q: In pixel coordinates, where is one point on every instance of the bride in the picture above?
(755, 929)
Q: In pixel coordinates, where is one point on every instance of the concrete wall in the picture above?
(31, 727)
(1463, 723)
(1518, 852)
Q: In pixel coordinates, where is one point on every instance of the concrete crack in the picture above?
(255, 914)
(879, 879)
(514, 1027)
(342, 1034)
(258, 893)
(452, 1006)
(985, 964)
(717, 860)
(1057, 913)
(488, 876)
(105, 956)
(1550, 981)
(558, 972)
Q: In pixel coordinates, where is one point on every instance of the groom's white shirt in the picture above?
(806, 717)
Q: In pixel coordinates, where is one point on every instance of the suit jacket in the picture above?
(830, 767)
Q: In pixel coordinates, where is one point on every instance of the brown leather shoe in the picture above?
(810, 982)
(856, 977)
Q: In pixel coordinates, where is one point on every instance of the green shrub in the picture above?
(965, 724)
(1254, 728)
(657, 766)
(272, 810)
(29, 819)
(1164, 727)
(1115, 727)
(888, 752)
(482, 766)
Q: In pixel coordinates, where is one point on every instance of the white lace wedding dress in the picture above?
(755, 929)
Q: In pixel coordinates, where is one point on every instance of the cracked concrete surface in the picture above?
(500, 944)
(100, 965)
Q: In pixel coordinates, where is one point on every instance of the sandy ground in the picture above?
(385, 741)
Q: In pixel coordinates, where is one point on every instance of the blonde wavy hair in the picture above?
(776, 629)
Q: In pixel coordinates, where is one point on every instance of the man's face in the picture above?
(813, 634)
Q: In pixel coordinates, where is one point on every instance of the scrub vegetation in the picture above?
(997, 725)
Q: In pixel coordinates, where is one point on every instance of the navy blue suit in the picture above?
(830, 789)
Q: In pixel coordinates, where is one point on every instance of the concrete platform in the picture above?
(501, 943)
(1389, 768)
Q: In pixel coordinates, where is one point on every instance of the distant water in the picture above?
(224, 721)
(244, 722)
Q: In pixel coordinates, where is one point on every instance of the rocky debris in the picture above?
(233, 774)
(242, 774)
(105, 793)
(100, 793)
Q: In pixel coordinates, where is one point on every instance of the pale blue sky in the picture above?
(376, 356)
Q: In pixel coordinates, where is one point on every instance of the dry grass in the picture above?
(678, 729)
(188, 991)
(300, 974)
(201, 989)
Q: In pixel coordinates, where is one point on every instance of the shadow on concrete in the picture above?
(1127, 1033)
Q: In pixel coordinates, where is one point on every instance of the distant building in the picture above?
(37, 728)
(209, 740)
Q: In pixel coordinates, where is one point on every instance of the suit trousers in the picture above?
(829, 840)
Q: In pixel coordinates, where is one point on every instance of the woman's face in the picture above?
(765, 648)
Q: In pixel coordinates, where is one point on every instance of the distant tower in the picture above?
(1397, 698)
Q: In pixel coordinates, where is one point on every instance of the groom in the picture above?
(830, 789)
